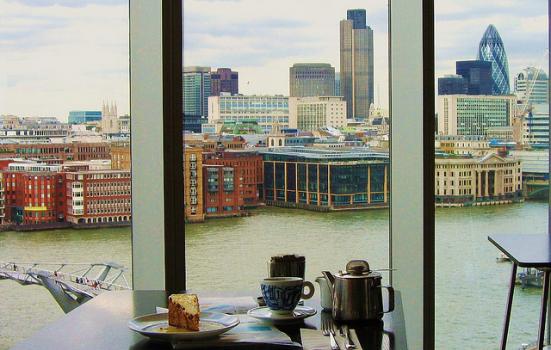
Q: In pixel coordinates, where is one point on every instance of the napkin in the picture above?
(314, 340)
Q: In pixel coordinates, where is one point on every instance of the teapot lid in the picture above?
(358, 269)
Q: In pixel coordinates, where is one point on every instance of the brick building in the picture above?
(120, 156)
(101, 196)
(221, 191)
(248, 168)
(57, 153)
(33, 194)
(193, 184)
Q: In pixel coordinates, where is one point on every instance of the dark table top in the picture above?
(102, 324)
(526, 250)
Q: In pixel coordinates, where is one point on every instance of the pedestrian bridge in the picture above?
(69, 284)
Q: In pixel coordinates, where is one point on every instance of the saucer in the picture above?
(264, 313)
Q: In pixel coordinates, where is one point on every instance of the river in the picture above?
(232, 253)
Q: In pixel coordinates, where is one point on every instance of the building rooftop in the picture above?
(317, 153)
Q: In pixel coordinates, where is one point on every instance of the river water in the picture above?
(232, 253)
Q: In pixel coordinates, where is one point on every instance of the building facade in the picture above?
(109, 120)
(82, 117)
(452, 85)
(356, 64)
(477, 74)
(221, 187)
(476, 146)
(491, 49)
(34, 194)
(535, 126)
(323, 179)
(268, 110)
(311, 79)
(491, 179)
(57, 153)
(532, 86)
(120, 156)
(224, 80)
(248, 168)
(196, 91)
(193, 184)
(473, 114)
(98, 197)
(312, 113)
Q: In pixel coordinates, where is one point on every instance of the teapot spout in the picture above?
(330, 280)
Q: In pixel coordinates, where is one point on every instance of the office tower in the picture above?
(311, 79)
(356, 61)
(224, 80)
(532, 86)
(312, 113)
(337, 84)
(268, 110)
(197, 85)
(474, 114)
(478, 75)
(491, 49)
(452, 85)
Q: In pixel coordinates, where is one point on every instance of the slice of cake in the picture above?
(183, 311)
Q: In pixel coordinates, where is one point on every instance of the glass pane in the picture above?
(297, 106)
(65, 195)
(491, 165)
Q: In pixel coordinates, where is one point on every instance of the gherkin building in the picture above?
(491, 49)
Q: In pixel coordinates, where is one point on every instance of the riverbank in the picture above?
(61, 225)
(468, 279)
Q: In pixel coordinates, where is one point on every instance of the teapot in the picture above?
(357, 293)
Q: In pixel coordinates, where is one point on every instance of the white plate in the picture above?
(299, 313)
(211, 324)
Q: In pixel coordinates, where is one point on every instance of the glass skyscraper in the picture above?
(197, 89)
(478, 75)
(356, 61)
(532, 86)
(311, 79)
(491, 49)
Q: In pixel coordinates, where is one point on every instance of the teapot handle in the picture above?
(390, 298)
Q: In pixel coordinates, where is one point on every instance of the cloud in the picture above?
(69, 3)
(58, 58)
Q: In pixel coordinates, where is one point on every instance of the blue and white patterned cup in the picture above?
(282, 294)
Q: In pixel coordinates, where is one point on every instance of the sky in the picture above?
(62, 55)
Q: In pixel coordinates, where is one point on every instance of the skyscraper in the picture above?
(337, 84)
(197, 87)
(452, 85)
(478, 75)
(491, 49)
(311, 79)
(224, 80)
(356, 71)
(532, 86)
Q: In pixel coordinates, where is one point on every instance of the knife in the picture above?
(334, 344)
(348, 343)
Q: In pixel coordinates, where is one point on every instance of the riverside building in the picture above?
(267, 110)
(98, 197)
(473, 114)
(324, 179)
(312, 113)
(193, 184)
(464, 180)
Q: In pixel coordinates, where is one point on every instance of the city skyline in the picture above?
(94, 66)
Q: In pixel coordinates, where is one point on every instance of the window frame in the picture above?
(158, 236)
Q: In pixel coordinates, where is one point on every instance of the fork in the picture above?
(345, 332)
(327, 330)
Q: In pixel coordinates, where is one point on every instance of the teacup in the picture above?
(282, 294)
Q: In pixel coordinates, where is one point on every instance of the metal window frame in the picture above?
(158, 225)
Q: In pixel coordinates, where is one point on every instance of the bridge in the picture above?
(69, 284)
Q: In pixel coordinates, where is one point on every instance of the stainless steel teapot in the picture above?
(357, 293)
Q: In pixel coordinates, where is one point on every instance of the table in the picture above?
(102, 324)
(526, 251)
